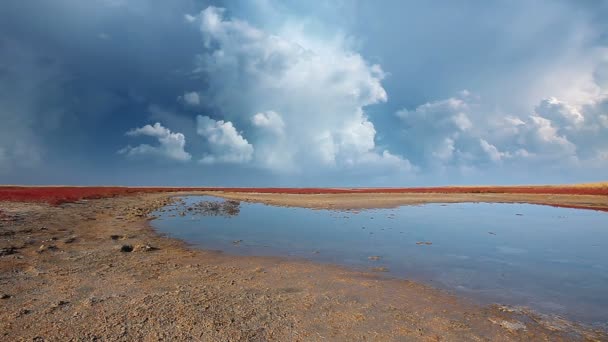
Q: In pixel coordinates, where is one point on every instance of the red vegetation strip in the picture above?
(60, 194)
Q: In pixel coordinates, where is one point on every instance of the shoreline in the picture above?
(566, 195)
(392, 200)
(88, 288)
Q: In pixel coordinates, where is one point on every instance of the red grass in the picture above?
(57, 195)
(62, 194)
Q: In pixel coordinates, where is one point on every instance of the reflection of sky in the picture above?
(553, 259)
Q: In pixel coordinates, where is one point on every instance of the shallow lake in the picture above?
(554, 260)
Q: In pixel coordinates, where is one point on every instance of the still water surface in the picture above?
(554, 260)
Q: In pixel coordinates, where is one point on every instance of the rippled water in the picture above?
(553, 260)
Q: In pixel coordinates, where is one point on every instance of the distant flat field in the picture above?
(585, 196)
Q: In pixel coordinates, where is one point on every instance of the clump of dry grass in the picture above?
(593, 185)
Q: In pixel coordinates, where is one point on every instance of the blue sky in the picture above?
(293, 93)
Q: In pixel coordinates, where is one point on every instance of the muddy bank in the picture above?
(96, 270)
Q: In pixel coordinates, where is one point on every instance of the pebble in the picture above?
(22, 312)
(43, 248)
(511, 326)
(61, 303)
(7, 251)
(145, 248)
(428, 243)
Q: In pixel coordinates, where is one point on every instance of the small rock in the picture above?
(69, 239)
(61, 303)
(126, 248)
(57, 306)
(145, 248)
(510, 326)
(94, 300)
(44, 248)
(22, 312)
(114, 237)
(427, 243)
(7, 251)
(5, 296)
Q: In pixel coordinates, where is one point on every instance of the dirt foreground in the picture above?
(96, 270)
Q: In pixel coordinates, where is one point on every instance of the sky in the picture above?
(303, 93)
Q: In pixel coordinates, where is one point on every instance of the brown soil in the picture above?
(66, 274)
(390, 200)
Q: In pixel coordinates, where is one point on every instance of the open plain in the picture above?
(93, 269)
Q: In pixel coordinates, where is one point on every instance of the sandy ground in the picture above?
(390, 200)
(63, 277)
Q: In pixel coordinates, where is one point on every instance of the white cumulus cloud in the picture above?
(492, 151)
(170, 145)
(299, 99)
(225, 144)
(560, 112)
(457, 132)
(270, 121)
(191, 98)
(433, 131)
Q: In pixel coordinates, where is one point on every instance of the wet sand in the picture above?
(391, 200)
(63, 276)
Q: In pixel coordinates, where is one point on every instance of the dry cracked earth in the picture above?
(95, 271)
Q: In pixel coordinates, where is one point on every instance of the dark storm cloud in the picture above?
(79, 74)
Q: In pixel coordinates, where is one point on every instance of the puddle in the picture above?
(554, 260)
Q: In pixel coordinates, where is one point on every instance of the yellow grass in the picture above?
(593, 185)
